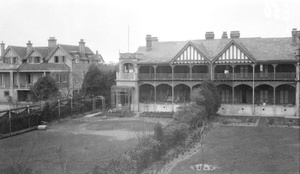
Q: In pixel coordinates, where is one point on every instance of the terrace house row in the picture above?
(255, 76)
(20, 67)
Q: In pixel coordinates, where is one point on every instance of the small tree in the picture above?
(45, 88)
(98, 81)
(208, 96)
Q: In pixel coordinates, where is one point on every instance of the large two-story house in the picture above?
(20, 67)
(255, 76)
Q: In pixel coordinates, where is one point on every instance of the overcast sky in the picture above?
(104, 24)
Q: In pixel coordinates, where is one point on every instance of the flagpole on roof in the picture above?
(128, 38)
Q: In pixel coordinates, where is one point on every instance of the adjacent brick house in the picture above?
(20, 67)
(255, 76)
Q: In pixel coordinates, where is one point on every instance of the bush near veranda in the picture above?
(45, 88)
(207, 95)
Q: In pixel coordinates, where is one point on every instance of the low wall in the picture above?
(159, 107)
(268, 110)
(228, 109)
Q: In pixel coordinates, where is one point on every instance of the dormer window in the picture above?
(14, 60)
(56, 59)
(37, 60)
(29, 60)
(59, 59)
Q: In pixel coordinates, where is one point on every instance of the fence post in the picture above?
(103, 104)
(28, 110)
(71, 104)
(58, 104)
(83, 104)
(93, 103)
(9, 118)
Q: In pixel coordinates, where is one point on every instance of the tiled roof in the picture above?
(43, 67)
(161, 52)
(44, 51)
(20, 51)
(69, 48)
(262, 49)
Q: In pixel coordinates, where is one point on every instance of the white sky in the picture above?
(104, 24)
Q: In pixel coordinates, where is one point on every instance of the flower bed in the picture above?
(157, 114)
(236, 121)
(283, 122)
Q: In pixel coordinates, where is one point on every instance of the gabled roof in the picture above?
(161, 52)
(190, 54)
(257, 49)
(43, 67)
(20, 51)
(234, 53)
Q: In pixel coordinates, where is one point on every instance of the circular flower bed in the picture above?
(204, 167)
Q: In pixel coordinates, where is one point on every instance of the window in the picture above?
(264, 96)
(56, 59)
(29, 60)
(37, 60)
(284, 97)
(225, 96)
(63, 59)
(64, 78)
(15, 60)
(6, 93)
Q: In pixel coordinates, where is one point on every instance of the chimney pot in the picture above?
(81, 46)
(234, 34)
(52, 42)
(224, 35)
(148, 42)
(209, 35)
(294, 35)
(29, 46)
(2, 48)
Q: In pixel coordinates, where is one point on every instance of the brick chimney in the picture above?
(2, 48)
(234, 34)
(29, 46)
(148, 42)
(52, 42)
(224, 35)
(294, 35)
(209, 35)
(81, 46)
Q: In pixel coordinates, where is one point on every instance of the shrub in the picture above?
(191, 114)
(175, 134)
(208, 96)
(121, 164)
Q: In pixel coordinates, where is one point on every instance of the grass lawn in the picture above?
(80, 144)
(244, 150)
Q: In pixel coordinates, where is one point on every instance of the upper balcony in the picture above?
(126, 76)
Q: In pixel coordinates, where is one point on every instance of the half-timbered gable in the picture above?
(190, 54)
(233, 53)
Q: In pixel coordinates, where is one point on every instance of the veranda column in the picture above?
(297, 90)
(274, 96)
(233, 84)
(253, 89)
(172, 88)
(155, 71)
(274, 66)
(11, 83)
(191, 73)
(212, 69)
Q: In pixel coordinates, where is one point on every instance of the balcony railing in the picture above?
(197, 76)
(126, 76)
(161, 76)
(223, 76)
(243, 76)
(181, 76)
(285, 76)
(264, 76)
(146, 76)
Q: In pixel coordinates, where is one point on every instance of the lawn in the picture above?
(246, 150)
(81, 144)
